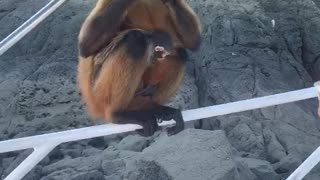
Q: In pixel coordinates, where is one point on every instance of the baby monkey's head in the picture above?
(162, 43)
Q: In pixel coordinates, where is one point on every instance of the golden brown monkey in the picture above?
(132, 55)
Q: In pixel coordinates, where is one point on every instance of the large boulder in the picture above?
(192, 154)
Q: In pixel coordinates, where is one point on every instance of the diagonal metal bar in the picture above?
(306, 166)
(30, 162)
(29, 25)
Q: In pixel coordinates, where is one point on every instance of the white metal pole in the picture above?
(306, 166)
(29, 25)
(311, 161)
(65, 136)
(31, 161)
(189, 115)
(250, 104)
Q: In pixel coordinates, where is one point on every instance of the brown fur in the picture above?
(108, 80)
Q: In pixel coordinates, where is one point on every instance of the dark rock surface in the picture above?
(242, 56)
(173, 158)
(248, 57)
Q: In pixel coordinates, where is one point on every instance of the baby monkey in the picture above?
(163, 47)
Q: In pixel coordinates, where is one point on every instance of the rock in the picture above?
(244, 56)
(91, 175)
(114, 162)
(60, 174)
(191, 154)
(99, 142)
(275, 151)
(262, 169)
(243, 139)
(287, 164)
(244, 171)
(11, 163)
(91, 152)
(38, 85)
(72, 174)
(147, 170)
(16, 13)
(35, 174)
(113, 177)
(133, 143)
(113, 167)
(72, 167)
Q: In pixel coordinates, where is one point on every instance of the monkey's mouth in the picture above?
(160, 53)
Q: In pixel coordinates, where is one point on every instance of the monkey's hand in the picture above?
(160, 53)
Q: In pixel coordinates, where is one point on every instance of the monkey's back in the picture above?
(149, 15)
(119, 77)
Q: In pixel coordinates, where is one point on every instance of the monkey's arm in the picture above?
(186, 22)
(102, 25)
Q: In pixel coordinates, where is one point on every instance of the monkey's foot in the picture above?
(167, 114)
(148, 119)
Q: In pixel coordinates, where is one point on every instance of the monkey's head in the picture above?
(162, 44)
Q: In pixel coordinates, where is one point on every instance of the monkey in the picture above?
(132, 56)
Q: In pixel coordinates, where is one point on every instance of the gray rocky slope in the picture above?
(242, 56)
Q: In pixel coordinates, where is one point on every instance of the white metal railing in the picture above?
(29, 25)
(44, 144)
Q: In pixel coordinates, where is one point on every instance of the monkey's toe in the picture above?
(149, 128)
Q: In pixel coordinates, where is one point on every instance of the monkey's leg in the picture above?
(167, 88)
(148, 119)
(186, 22)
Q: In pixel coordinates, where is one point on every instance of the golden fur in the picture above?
(113, 88)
